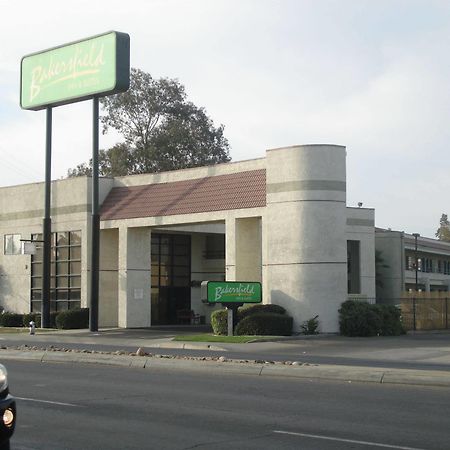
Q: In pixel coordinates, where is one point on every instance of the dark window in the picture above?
(170, 277)
(65, 283)
(215, 246)
(12, 244)
(353, 267)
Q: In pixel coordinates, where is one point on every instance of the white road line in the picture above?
(351, 441)
(47, 401)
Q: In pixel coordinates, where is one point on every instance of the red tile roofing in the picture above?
(217, 193)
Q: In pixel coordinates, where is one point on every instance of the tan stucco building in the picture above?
(281, 220)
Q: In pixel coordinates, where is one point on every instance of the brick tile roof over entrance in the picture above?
(217, 193)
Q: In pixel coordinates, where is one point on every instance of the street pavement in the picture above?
(415, 358)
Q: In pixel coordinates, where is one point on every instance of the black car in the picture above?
(7, 411)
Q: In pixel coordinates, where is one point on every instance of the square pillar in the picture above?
(243, 249)
(134, 306)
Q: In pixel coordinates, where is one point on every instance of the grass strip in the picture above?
(208, 337)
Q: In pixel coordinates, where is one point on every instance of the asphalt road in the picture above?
(422, 351)
(75, 406)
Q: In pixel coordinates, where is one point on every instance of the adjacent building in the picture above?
(281, 220)
(410, 262)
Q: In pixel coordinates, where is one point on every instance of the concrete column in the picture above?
(108, 282)
(306, 260)
(248, 249)
(134, 277)
(230, 249)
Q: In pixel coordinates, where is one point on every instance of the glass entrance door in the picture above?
(171, 277)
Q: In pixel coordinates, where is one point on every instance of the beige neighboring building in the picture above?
(281, 220)
(398, 251)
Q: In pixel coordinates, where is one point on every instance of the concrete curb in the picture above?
(190, 346)
(296, 370)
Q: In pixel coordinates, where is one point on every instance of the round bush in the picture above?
(358, 319)
(219, 318)
(219, 322)
(265, 324)
(73, 319)
(245, 311)
(391, 322)
(362, 319)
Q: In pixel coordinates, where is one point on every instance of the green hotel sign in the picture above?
(92, 67)
(231, 292)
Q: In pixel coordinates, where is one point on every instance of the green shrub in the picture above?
(245, 311)
(8, 319)
(391, 322)
(265, 324)
(219, 322)
(362, 319)
(219, 318)
(36, 318)
(72, 319)
(53, 315)
(310, 326)
(33, 316)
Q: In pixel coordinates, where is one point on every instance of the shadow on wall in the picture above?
(293, 307)
(302, 312)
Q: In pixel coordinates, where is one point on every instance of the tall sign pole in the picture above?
(95, 224)
(47, 225)
(87, 69)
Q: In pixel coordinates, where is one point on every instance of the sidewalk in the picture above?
(422, 359)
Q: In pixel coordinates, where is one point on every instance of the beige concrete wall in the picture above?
(191, 174)
(22, 211)
(306, 250)
(360, 226)
(134, 277)
(248, 249)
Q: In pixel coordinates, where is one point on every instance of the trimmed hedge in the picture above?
(8, 319)
(362, 319)
(73, 319)
(219, 320)
(245, 311)
(36, 318)
(265, 324)
(391, 324)
(77, 319)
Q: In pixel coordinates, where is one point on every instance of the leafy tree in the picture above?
(443, 232)
(114, 162)
(162, 130)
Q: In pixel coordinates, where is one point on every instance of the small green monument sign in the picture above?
(92, 67)
(231, 292)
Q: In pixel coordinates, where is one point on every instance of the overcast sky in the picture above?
(370, 75)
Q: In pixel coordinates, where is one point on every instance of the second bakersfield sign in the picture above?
(231, 292)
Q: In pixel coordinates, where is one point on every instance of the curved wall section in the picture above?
(306, 249)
